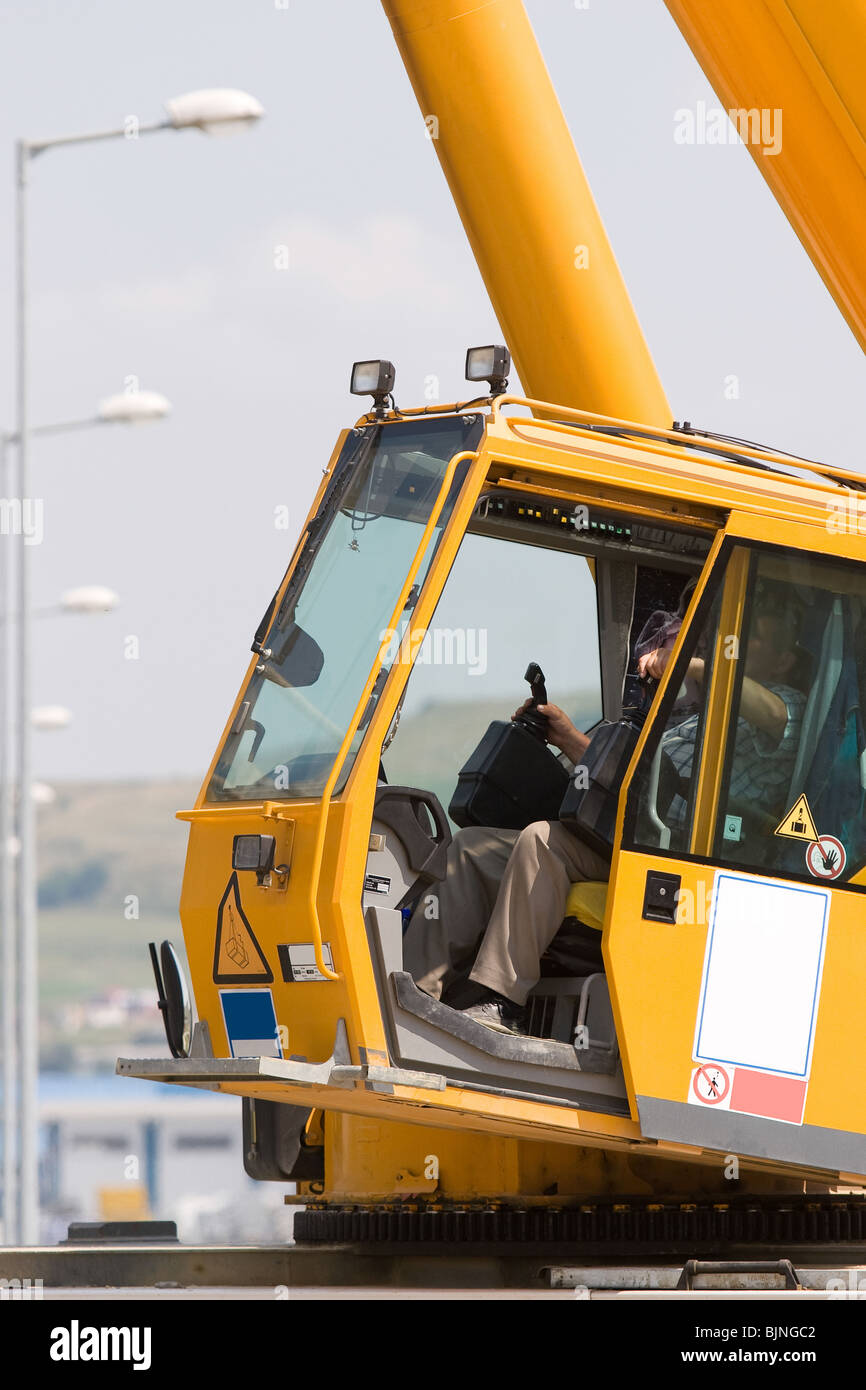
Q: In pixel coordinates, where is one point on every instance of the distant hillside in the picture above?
(99, 845)
(100, 842)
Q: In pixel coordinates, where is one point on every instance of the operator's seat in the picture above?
(576, 948)
(586, 902)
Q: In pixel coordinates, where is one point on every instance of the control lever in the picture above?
(533, 722)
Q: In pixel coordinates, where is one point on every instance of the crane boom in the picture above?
(801, 62)
(526, 205)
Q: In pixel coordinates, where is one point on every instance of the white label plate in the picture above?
(302, 959)
(762, 974)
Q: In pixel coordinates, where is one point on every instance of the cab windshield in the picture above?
(321, 641)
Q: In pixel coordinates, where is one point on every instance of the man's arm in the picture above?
(761, 708)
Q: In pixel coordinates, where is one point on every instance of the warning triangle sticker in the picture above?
(799, 823)
(237, 958)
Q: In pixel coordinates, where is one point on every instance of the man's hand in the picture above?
(653, 663)
(527, 704)
(560, 730)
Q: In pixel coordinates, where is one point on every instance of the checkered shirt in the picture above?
(763, 766)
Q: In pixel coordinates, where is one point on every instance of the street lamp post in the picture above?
(212, 111)
(122, 408)
(7, 887)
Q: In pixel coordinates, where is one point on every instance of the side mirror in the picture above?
(294, 659)
(175, 1003)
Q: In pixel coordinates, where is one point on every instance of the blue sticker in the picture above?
(251, 1022)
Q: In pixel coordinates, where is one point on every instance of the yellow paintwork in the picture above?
(837, 1096)
(654, 970)
(371, 1161)
(526, 206)
(804, 59)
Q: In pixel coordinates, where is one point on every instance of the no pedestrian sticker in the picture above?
(711, 1083)
(825, 858)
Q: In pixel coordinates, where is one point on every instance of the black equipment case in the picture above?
(512, 778)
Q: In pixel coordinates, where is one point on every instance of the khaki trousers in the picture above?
(514, 884)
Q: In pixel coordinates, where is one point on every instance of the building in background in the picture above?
(118, 1151)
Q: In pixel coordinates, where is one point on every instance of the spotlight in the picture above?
(374, 379)
(491, 363)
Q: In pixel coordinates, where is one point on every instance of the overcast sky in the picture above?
(156, 259)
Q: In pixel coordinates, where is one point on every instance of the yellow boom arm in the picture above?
(527, 208)
(802, 62)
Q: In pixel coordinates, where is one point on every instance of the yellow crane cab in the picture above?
(703, 998)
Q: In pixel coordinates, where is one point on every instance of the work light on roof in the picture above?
(491, 363)
(374, 379)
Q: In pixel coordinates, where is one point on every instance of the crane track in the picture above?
(797, 1221)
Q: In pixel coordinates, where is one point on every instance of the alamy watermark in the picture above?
(21, 1290)
(847, 516)
(711, 125)
(77, 1343)
(438, 646)
(22, 516)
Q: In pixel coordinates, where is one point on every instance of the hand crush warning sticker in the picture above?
(238, 958)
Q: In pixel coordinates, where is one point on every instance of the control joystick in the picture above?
(530, 720)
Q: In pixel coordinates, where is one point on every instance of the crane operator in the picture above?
(503, 898)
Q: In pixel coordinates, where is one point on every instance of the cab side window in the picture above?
(758, 757)
(792, 796)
